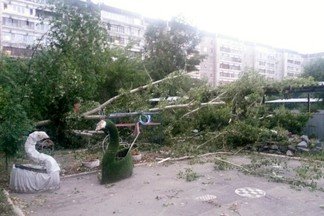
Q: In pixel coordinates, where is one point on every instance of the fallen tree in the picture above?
(87, 115)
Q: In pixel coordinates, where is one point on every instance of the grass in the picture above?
(305, 175)
(221, 166)
(313, 155)
(189, 175)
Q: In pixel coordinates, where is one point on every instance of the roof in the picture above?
(295, 100)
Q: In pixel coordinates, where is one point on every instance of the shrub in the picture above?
(293, 122)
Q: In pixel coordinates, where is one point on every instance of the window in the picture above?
(262, 70)
(6, 36)
(5, 5)
(236, 59)
(225, 66)
(120, 29)
(137, 21)
(235, 67)
(261, 63)
(225, 49)
(31, 11)
(224, 74)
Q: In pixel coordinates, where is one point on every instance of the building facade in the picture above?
(20, 25)
(225, 60)
(308, 58)
(124, 27)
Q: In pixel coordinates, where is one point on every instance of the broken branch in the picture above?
(99, 108)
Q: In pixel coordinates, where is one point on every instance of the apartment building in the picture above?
(308, 58)
(124, 27)
(292, 64)
(207, 67)
(20, 26)
(227, 58)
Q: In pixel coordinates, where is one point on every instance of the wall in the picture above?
(316, 125)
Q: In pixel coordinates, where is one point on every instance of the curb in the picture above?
(15, 209)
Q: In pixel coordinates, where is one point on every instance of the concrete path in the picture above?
(158, 190)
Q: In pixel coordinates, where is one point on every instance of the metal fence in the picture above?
(315, 125)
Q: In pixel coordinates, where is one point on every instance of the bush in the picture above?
(212, 118)
(241, 134)
(293, 122)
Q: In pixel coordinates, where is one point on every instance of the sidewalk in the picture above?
(158, 190)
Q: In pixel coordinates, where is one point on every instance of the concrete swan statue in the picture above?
(28, 178)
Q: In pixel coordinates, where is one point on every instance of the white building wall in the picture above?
(207, 67)
(229, 57)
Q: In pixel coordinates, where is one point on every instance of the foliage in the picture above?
(245, 94)
(212, 118)
(281, 85)
(315, 69)
(189, 175)
(125, 71)
(293, 122)
(76, 62)
(14, 121)
(73, 62)
(171, 46)
(241, 134)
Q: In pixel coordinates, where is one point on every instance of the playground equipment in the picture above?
(135, 120)
(28, 178)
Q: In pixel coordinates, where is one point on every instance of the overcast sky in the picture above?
(291, 24)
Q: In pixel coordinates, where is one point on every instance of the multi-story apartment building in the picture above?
(264, 59)
(20, 26)
(292, 64)
(308, 58)
(228, 57)
(124, 27)
(225, 58)
(207, 67)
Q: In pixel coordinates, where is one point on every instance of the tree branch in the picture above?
(211, 102)
(88, 114)
(186, 105)
(130, 92)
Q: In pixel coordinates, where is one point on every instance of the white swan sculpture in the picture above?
(29, 178)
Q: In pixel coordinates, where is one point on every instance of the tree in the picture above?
(76, 63)
(315, 69)
(14, 121)
(171, 46)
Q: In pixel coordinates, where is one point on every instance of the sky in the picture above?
(290, 24)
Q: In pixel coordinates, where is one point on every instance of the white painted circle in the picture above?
(250, 192)
(207, 197)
